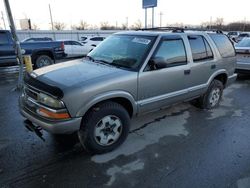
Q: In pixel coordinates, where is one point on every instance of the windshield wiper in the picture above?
(90, 58)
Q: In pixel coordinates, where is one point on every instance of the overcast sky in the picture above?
(112, 11)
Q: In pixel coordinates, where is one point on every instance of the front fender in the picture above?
(106, 96)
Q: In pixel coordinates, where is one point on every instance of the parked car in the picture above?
(241, 36)
(91, 43)
(42, 39)
(42, 53)
(74, 48)
(233, 35)
(128, 74)
(243, 56)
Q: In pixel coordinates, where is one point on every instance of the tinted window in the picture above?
(4, 38)
(244, 35)
(208, 49)
(232, 33)
(76, 43)
(172, 52)
(223, 44)
(198, 47)
(97, 39)
(67, 43)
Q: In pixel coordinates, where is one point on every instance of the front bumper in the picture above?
(231, 79)
(53, 126)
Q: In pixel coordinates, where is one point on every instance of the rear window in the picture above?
(223, 44)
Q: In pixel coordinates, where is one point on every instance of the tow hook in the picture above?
(31, 127)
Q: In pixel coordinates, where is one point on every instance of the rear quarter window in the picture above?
(223, 44)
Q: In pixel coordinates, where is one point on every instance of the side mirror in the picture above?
(157, 63)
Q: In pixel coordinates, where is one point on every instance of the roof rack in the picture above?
(180, 29)
(173, 29)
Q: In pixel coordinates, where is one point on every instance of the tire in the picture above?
(42, 61)
(104, 128)
(212, 97)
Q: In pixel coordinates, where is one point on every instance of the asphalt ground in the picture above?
(181, 146)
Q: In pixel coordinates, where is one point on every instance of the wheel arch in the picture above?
(123, 98)
(220, 75)
(36, 54)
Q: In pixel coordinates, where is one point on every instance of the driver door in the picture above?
(164, 85)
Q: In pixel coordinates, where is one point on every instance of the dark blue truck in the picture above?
(42, 53)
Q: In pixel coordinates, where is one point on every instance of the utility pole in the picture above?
(244, 26)
(153, 17)
(3, 20)
(161, 14)
(127, 22)
(51, 19)
(210, 25)
(17, 44)
(52, 24)
(146, 18)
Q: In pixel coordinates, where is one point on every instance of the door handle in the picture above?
(213, 66)
(187, 72)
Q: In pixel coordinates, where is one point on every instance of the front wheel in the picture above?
(104, 128)
(212, 97)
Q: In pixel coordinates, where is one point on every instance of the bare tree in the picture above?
(82, 25)
(59, 25)
(124, 27)
(35, 27)
(137, 25)
(106, 26)
(219, 22)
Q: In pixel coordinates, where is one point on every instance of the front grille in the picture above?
(31, 93)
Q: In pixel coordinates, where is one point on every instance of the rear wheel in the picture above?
(104, 128)
(212, 97)
(42, 61)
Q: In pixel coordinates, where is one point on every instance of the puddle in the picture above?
(243, 183)
(125, 169)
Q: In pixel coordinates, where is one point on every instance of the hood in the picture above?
(73, 72)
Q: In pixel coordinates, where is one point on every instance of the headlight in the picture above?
(49, 101)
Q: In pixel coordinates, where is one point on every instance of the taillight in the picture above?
(62, 45)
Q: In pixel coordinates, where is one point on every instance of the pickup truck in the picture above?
(42, 53)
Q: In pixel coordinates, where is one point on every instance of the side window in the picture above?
(172, 52)
(223, 44)
(208, 50)
(97, 39)
(76, 43)
(4, 38)
(200, 48)
(66, 42)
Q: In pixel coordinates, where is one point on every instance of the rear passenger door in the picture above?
(164, 86)
(202, 64)
(68, 48)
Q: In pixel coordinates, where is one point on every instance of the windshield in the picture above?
(124, 51)
(244, 43)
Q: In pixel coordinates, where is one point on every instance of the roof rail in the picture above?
(180, 29)
(173, 29)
